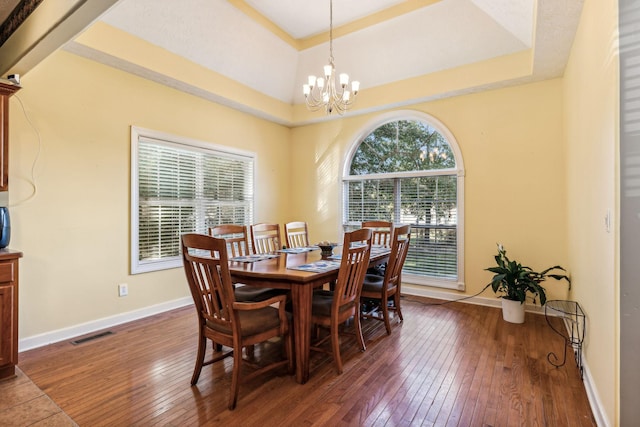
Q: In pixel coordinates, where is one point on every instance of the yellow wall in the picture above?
(514, 156)
(74, 231)
(591, 126)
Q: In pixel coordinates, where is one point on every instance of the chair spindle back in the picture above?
(353, 267)
(236, 237)
(207, 270)
(296, 234)
(381, 232)
(265, 238)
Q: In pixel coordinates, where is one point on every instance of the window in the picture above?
(408, 170)
(183, 186)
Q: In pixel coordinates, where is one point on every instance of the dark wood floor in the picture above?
(450, 365)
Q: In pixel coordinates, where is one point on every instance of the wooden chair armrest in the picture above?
(282, 299)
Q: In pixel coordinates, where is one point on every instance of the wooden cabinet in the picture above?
(7, 89)
(8, 312)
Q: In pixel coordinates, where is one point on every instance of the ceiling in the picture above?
(271, 46)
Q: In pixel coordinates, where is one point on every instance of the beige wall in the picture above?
(511, 143)
(591, 130)
(74, 231)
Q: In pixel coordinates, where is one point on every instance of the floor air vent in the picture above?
(92, 337)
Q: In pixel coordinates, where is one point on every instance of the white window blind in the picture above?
(429, 204)
(183, 188)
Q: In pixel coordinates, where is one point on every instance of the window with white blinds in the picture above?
(183, 186)
(408, 172)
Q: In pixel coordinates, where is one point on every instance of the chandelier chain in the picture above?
(331, 32)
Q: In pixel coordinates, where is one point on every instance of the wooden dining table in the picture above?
(280, 273)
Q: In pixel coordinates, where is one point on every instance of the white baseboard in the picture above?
(41, 340)
(594, 399)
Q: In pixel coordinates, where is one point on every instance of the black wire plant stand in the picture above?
(574, 330)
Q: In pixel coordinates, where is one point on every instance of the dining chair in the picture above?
(331, 309)
(237, 240)
(296, 234)
(381, 232)
(225, 321)
(265, 238)
(381, 237)
(385, 290)
(236, 236)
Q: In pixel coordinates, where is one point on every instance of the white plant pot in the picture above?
(512, 311)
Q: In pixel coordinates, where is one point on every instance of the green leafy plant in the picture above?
(515, 280)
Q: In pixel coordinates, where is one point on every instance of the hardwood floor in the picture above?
(446, 365)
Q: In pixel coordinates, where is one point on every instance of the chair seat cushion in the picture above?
(316, 292)
(377, 270)
(321, 305)
(372, 283)
(252, 322)
(255, 293)
(323, 292)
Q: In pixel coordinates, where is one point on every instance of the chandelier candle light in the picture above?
(322, 92)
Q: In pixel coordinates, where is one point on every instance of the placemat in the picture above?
(253, 258)
(317, 266)
(375, 251)
(299, 250)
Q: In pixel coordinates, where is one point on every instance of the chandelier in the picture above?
(322, 92)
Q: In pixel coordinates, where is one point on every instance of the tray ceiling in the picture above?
(271, 46)
(401, 39)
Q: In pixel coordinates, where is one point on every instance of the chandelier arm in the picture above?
(330, 97)
(314, 107)
(313, 97)
(314, 103)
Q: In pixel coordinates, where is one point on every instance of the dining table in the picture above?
(299, 271)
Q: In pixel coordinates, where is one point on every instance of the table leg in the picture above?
(301, 296)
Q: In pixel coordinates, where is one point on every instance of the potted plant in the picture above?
(515, 280)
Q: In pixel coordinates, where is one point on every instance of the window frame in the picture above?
(138, 266)
(458, 171)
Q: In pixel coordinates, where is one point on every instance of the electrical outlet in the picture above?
(123, 290)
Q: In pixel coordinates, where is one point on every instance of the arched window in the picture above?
(408, 169)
